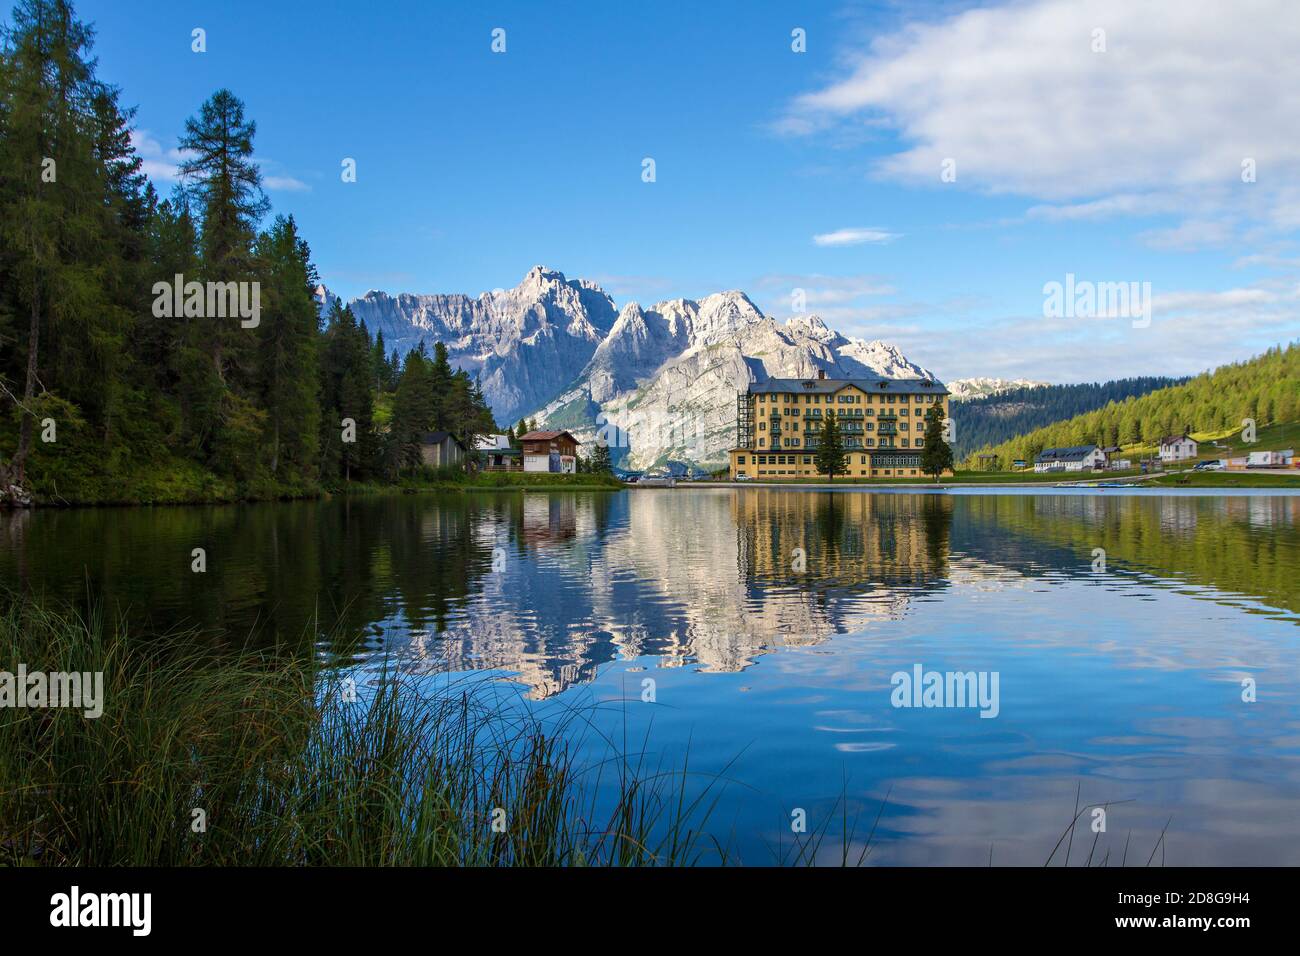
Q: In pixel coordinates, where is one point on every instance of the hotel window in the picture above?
(864, 460)
(807, 459)
(740, 459)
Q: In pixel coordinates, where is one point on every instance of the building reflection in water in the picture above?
(710, 580)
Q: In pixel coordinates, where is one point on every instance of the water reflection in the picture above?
(772, 619)
(712, 578)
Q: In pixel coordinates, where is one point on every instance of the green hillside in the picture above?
(1212, 406)
(991, 419)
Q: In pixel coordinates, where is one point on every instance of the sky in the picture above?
(919, 172)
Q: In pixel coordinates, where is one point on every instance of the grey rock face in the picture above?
(658, 383)
(523, 343)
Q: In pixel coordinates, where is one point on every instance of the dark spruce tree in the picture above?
(936, 456)
(830, 459)
(55, 232)
(226, 186)
(288, 381)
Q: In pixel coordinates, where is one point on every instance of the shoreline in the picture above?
(1288, 483)
(1214, 481)
(360, 489)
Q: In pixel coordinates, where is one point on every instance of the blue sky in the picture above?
(1120, 164)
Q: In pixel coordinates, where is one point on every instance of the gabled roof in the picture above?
(829, 386)
(1170, 439)
(437, 438)
(545, 436)
(1070, 453)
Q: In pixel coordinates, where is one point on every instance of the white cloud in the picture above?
(853, 237)
(1190, 331)
(162, 164)
(1014, 94)
(285, 184)
(1190, 235)
(819, 288)
(159, 163)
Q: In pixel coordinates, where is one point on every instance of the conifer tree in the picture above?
(936, 456)
(831, 460)
(288, 377)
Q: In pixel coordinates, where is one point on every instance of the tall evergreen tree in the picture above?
(346, 372)
(51, 198)
(936, 456)
(288, 378)
(831, 460)
(226, 184)
(413, 412)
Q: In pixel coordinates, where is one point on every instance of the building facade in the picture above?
(1072, 458)
(496, 454)
(550, 451)
(440, 450)
(881, 422)
(1177, 448)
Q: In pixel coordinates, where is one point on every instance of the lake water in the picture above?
(1126, 632)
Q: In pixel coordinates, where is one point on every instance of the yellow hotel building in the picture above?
(882, 425)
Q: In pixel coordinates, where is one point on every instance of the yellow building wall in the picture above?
(786, 461)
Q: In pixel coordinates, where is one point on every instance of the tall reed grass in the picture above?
(214, 757)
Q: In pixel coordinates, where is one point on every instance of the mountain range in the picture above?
(659, 383)
(981, 387)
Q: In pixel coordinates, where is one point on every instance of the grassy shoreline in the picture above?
(218, 757)
(206, 489)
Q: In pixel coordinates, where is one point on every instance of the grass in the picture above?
(236, 758)
(205, 757)
(453, 479)
(1267, 438)
(1225, 479)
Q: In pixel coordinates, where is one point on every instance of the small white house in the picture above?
(1177, 448)
(1073, 458)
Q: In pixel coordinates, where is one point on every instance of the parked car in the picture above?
(1211, 465)
(744, 478)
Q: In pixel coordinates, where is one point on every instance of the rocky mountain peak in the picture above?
(557, 349)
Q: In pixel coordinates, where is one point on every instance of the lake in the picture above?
(1135, 649)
